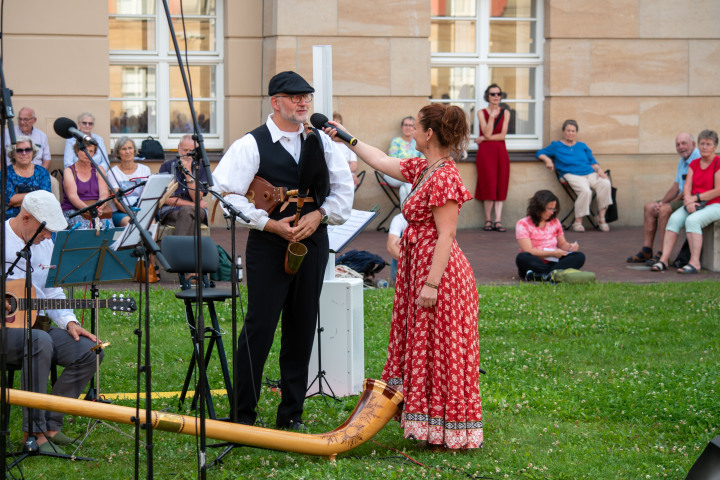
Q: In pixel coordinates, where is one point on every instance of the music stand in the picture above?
(88, 259)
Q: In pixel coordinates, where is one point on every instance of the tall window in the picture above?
(475, 43)
(147, 95)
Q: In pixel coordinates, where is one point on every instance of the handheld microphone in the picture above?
(66, 128)
(319, 120)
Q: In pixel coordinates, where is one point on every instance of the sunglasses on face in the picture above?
(24, 150)
(88, 124)
(495, 94)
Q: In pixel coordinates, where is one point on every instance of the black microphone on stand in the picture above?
(66, 128)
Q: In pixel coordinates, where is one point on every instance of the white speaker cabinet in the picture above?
(342, 340)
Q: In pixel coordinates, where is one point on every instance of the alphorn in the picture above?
(377, 405)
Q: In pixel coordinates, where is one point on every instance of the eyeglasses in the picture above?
(307, 97)
(23, 151)
(551, 210)
(25, 120)
(494, 94)
(88, 124)
(408, 125)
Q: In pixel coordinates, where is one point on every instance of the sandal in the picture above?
(654, 259)
(688, 269)
(577, 227)
(659, 267)
(642, 256)
(498, 227)
(488, 226)
(602, 224)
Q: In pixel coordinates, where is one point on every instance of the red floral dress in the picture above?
(433, 352)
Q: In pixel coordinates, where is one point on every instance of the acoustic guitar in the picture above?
(15, 296)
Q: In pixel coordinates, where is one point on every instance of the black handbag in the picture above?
(611, 214)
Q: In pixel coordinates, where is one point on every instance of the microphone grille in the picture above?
(318, 120)
(62, 127)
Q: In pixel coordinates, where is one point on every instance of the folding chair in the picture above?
(392, 195)
(573, 196)
(179, 252)
(360, 176)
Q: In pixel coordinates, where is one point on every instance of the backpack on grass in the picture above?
(362, 261)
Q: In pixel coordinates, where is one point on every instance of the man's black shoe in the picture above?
(245, 420)
(295, 425)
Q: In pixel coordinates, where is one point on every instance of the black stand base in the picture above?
(31, 449)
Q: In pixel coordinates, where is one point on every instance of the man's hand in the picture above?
(307, 226)
(76, 331)
(282, 227)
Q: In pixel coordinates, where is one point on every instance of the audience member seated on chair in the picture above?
(86, 123)
(83, 185)
(657, 213)
(403, 147)
(701, 199)
(23, 175)
(347, 153)
(125, 175)
(69, 342)
(542, 241)
(574, 162)
(179, 210)
(397, 227)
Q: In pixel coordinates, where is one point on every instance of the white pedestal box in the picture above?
(343, 340)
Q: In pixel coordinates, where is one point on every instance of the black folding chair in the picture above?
(360, 176)
(392, 195)
(179, 251)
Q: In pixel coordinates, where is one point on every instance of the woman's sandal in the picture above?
(498, 227)
(602, 224)
(488, 226)
(577, 227)
(687, 269)
(642, 257)
(659, 267)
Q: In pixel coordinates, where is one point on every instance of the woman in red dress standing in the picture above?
(433, 350)
(493, 162)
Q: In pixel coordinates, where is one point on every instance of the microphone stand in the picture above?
(145, 249)
(200, 152)
(6, 116)
(232, 215)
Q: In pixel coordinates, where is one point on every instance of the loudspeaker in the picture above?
(707, 466)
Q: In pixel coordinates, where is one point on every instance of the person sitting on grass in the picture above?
(542, 241)
(701, 197)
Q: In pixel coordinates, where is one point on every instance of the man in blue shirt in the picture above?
(657, 213)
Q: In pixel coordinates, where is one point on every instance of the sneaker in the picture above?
(62, 439)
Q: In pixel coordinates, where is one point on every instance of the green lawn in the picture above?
(601, 381)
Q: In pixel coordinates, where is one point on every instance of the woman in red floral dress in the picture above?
(433, 352)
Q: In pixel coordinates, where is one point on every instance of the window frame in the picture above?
(163, 57)
(483, 60)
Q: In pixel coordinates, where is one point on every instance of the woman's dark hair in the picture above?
(449, 122)
(486, 96)
(78, 144)
(538, 203)
(570, 122)
(709, 135)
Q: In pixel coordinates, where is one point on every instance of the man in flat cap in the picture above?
(273, 152)
(70, 342)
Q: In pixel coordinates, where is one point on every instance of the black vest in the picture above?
(278, 167)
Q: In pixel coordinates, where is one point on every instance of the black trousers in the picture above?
(527, 261)
(270, 292)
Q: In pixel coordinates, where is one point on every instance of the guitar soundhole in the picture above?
(10, 316)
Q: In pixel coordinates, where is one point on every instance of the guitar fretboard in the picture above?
(57, 303)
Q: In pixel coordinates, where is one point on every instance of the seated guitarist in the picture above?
(69, 342)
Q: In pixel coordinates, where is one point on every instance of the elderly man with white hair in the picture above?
(68, 341)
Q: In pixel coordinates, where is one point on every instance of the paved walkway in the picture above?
(492, 254)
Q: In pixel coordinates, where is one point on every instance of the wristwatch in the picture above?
(324, 214)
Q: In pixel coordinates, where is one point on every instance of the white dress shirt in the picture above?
(40, 261)
(241, 162)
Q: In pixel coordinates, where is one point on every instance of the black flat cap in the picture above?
(288, 82)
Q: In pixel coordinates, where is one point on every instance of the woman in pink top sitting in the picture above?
(542, 242)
